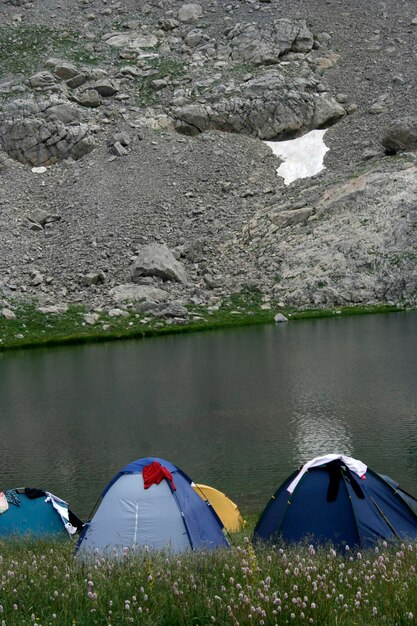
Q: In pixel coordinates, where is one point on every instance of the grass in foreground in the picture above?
(42, 584)
(32, 328)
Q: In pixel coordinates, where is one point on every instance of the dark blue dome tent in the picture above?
(337, 499)
(27, 511)
(152, 503)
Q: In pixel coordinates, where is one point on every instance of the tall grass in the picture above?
(42, 583)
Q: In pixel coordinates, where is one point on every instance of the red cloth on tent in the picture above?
(154, 473)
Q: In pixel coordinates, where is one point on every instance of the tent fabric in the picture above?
(359, 513)
(132, 516)
(225, 508)
(34, 516)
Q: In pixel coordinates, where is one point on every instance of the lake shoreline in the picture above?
(33, 329)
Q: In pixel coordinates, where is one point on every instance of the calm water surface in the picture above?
(237, 409)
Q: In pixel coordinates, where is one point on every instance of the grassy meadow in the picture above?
(43, 584)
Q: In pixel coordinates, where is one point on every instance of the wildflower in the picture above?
(292, 615)
(332, 553)
(410, 615)
(374, 610)
(1, 608)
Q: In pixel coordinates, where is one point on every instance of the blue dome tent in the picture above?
(151, 502)
(337, 499)
(26, 511)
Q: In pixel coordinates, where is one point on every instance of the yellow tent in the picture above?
(224, 507)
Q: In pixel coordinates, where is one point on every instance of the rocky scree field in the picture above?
(134, 174)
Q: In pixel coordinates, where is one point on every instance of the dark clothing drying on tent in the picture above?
(12, 497)
(154, 473)
(335, 470)
(33, 493)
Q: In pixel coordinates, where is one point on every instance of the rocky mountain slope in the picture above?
(133, 166)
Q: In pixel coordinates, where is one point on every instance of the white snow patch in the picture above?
(303, 157)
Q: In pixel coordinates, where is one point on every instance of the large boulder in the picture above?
(267, 106)
(34, 133)
(401, 135)
(265, 44)
(157, 260)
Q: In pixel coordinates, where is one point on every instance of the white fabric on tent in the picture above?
(353, 464)
(61, 507)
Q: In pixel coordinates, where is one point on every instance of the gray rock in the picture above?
(401, 135)
(290, 217)
(122, 138)
(93, 278)
(39, 216)
(35, 227)
(190, 13)
(65, 70)
(36, 279)
(138, 293)
(174, 310)
(133, 39)
(91, 318)
(265, 44)
(42, 81)
(53, 309)
(32, 133)
(280, 318)
(117, 313)
(89, 98)
(118, 149)
(8, 314)
(157, 260)
(259, 106)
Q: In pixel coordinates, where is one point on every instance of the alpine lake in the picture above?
(235, 409)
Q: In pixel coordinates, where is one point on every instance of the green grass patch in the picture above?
(159, 68)
(34, 329)
(24, 48)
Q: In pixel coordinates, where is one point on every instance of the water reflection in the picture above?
(237, 409)
(318, 435)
